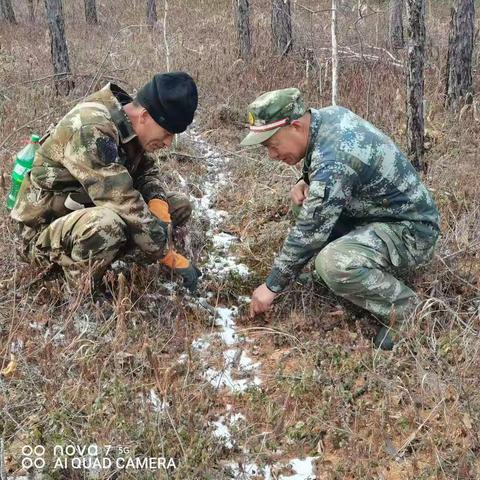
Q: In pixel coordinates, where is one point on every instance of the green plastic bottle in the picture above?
(23, 164)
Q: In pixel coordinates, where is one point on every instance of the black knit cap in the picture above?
(171, 100)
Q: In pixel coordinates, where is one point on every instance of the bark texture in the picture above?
(460, 50)
(415, 83)
(58, 47)
(281, 26)
(242, 23)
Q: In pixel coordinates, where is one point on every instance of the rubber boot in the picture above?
(383, 339)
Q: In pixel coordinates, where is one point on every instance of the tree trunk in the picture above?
(151, 12)
(91, 12)
(242, 22)
(58, 47)
(415, 82)
(6, 11)
(334, 53)
(281, 26)
(31, 10)
(460, 50)
(396, 24)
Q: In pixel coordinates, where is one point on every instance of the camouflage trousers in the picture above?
(366, 266)
(90, 239)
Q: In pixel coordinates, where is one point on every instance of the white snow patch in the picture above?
(37, 326)
(223, 241)
(227, 324)
(238, 371)
(224, 378)
(83, 324)
(200, 344)
(303, 469)
(16, 345)
(58, 338)
(246, 363)
(244, 299)
(158, 405)
(222, 427)
(249, 470)
(170, 286)
(222, 432)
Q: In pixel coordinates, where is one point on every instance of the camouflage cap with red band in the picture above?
(272, 111)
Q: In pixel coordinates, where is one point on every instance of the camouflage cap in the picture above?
(271, 111)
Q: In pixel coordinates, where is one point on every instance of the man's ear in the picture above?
(143, 116)
(296, 124)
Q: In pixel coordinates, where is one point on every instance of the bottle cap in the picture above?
(35, 138)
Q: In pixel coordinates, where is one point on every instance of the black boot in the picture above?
(383, 339)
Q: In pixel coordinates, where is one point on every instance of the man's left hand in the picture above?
(262, 299)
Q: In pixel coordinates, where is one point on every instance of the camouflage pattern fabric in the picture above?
(179, 207)
(269, 108)
(93, 159)
(359, 182)
(89, 240)
(363, 266)
(86, 240)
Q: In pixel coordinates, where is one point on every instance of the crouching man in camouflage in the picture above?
(363, 212)
(94, 189)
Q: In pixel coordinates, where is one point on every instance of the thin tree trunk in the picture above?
(334, 53)
(91, 12)
(151, 12)
(415, 82)
(58, 47)
(281, 26)
(460, 50)
(242, 22)
(396, 24)
(165, 39)
(6, 11)
(31, 10)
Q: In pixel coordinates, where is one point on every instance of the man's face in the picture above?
(288, 145)
(150, 134)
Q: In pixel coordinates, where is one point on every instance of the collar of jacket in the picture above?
(113, 97)
(314, 128)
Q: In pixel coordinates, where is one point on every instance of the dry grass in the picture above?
(86, 369)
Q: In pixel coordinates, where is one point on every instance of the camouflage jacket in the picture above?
(357, 176)
(93, 157)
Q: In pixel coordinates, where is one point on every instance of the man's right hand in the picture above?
(299, 192)
(179, 264)
(191, 276)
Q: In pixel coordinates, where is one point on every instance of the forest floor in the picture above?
(155, 372)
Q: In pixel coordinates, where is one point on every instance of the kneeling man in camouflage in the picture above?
(362, 210)
(95, 191)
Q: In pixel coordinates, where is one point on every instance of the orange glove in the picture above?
(160, 209)
(174, 260)
(179, 264)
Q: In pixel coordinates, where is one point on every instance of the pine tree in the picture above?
(415, 82)
(242, 22)
(460, 51)
(91, 12)
(151, 12)
(58, 47)
(6, 11)
(396, 24)
(281, 26)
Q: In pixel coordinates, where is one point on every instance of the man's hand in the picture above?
(190, 275)
(160, 209)
(179, 264)
(262, 299)
(299, 192)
